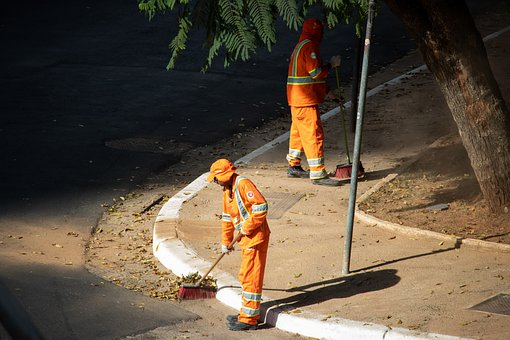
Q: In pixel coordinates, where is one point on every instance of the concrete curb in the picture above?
(410, 231)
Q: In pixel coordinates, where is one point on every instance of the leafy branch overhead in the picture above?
(242, 26)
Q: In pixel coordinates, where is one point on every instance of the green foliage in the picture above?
(153, 6)
(261, 14)
(236, 35)
(178, 44)
(239, 27)
(290, 13)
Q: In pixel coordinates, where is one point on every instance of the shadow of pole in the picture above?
(332, 289)
(433, 252)
(359, 281)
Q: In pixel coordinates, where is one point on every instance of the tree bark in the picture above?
(454, 52)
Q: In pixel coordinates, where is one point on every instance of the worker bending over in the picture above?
(244, 211)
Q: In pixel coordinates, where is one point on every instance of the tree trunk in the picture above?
(453, 50)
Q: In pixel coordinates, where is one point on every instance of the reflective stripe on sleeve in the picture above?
(259, 208)
(315, 72)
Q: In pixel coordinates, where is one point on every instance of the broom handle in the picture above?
(342, 117)
(238, 236)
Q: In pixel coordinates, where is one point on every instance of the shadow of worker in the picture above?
(322, 291)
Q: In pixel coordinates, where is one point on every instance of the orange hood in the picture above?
(312, 29)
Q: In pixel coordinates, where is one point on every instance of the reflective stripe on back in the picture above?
(240, 205)
(294, 79)
(296, 54)
(304, 81)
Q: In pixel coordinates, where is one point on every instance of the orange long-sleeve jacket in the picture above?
(244, 208)
(306, 80)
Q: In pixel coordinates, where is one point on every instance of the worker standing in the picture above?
(306, 89)
(244, 211)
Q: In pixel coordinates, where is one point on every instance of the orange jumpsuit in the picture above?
(244, 208)
(306, 88)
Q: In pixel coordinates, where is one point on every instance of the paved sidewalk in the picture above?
(404, 283)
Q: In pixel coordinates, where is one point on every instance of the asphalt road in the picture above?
(84, 98)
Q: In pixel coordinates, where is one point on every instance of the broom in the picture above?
(195, 291)
(345, 170)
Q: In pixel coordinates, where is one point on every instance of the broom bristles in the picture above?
(345, 171)
(196, 293)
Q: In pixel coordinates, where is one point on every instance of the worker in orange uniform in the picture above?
(306, 89)
(244, 211)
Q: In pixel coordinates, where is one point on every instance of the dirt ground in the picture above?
(440, 196)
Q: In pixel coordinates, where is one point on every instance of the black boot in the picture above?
(240, 326)
(298, 172)
(326, 181)
(232, 318)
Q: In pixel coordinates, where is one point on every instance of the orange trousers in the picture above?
(251, 276)
(307, 135)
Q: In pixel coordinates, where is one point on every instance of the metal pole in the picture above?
(357, 141)
(355, 82)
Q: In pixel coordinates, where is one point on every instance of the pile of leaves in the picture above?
(120, 249)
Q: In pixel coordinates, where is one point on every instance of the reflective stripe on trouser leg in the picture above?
(251, 276)
(308, 123)
(295, 147)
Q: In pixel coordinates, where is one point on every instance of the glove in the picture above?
(225, 249)
(335, 61)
